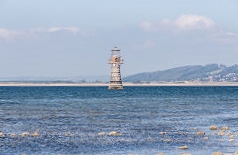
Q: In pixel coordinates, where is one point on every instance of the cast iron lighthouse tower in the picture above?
(115, 61)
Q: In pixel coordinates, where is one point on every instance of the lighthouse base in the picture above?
(115, 86)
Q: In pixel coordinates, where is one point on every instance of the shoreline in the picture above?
(33, 84)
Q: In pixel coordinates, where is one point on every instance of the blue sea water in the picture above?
(147, 120)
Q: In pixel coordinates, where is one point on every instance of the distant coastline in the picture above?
(124, 84)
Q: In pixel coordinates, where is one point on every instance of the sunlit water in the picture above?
(78, 120)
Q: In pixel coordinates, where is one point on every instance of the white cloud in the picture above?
(193, 22)
(8, 34)
(191, 25)
(226, 37)
(231, 34)
(68, 29)
(184, 22)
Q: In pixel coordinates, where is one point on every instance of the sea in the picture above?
(138, 120)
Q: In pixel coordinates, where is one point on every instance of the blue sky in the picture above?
(74, 38)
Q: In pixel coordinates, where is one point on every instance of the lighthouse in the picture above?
(115, 61)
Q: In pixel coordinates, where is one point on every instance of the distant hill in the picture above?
(76, 79)
(211, 72)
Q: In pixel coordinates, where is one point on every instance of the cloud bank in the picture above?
(8, 34)
(182, 23)
(67, 29)
(191, 25)
(194, 22)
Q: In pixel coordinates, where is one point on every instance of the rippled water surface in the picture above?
(145, 120)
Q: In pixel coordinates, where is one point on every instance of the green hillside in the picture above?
(211, 72)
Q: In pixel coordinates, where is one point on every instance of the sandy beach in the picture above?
(124, 84)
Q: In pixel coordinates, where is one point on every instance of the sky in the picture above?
(59, 38)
